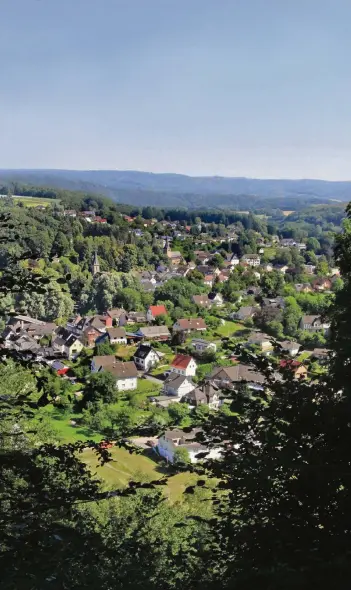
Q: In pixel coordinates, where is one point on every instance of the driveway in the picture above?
(153, 379)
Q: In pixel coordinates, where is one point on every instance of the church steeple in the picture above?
(96, 265)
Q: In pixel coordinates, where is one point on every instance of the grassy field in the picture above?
(126, 466)
(35, 201)
(228, 328)
(269, 253)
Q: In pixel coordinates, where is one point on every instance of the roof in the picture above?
(120, 370)
(258, 337)
(201, 299)
(153, 331)
(192, 324)
(289, 363)
(175, 433)
(204, 393)
(116, 333)
(246, 310)
(116, 312)
(157, 310)
(143, 351)
(289, 345)
(309, 319)
(181, 361)
(237, 373)
(175, 381)
(28, 319)
(41, 329)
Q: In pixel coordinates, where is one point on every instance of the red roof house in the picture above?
(154, 311)
(184, 365)
(296, 367)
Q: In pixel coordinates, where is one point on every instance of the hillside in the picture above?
(176, 190)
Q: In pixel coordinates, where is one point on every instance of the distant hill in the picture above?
(177, 190)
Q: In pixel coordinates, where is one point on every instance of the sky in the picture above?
(258, 88)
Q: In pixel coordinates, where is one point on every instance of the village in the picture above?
(159, 359)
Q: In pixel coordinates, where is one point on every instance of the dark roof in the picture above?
(143, 351)
(175, 381)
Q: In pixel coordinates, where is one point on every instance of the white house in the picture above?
(146, 357)
(251, 260)
(292, 348)
(184, 365)
(216, 299)
(117, 335)
(178, 385)
(314, 323)
(126, 374)
(201, 345)
(174, 439)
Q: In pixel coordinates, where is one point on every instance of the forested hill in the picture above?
(176, 190)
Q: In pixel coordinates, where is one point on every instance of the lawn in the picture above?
(228, 328)
(127, 466)
(67, 432)
(269, 253)
(125, 353)
(35, 201)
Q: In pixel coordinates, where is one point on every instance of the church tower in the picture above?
(96, 265)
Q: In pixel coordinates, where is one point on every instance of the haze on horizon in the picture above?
(256, 88)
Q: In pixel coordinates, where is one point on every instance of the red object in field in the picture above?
(105, 444)
(62, 371)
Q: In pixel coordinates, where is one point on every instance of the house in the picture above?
(250, 260)
(303, 287)
(322, 284)
(216, 299)
(90, 336)
(202, 256)
(68, 344)
(118, 316)
(190, 325)
(174, 257)
(320, 354)
(287, 243)
(70, 213)
(276, 303)
(126, 373)
(233, 260)
(148, 286)
(202, 346)
(244, 313)
(281, 268)
(299, 371)
(136, 317)
(178, 385)
(154, 333)
(174, 439)
(20, 342)
(184, 365)
(230, 377)
(268, 267)
(154, 311)
(202, 300)
(313, 323)
(207, 394)
(262, 341)
(117, 335)
(208, 280)
(309, 268)
(146, 357)
(292, 348)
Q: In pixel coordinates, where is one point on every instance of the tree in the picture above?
(181, 457)
(101, 387)
(178, 412)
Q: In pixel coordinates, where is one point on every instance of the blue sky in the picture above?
(255, 88)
